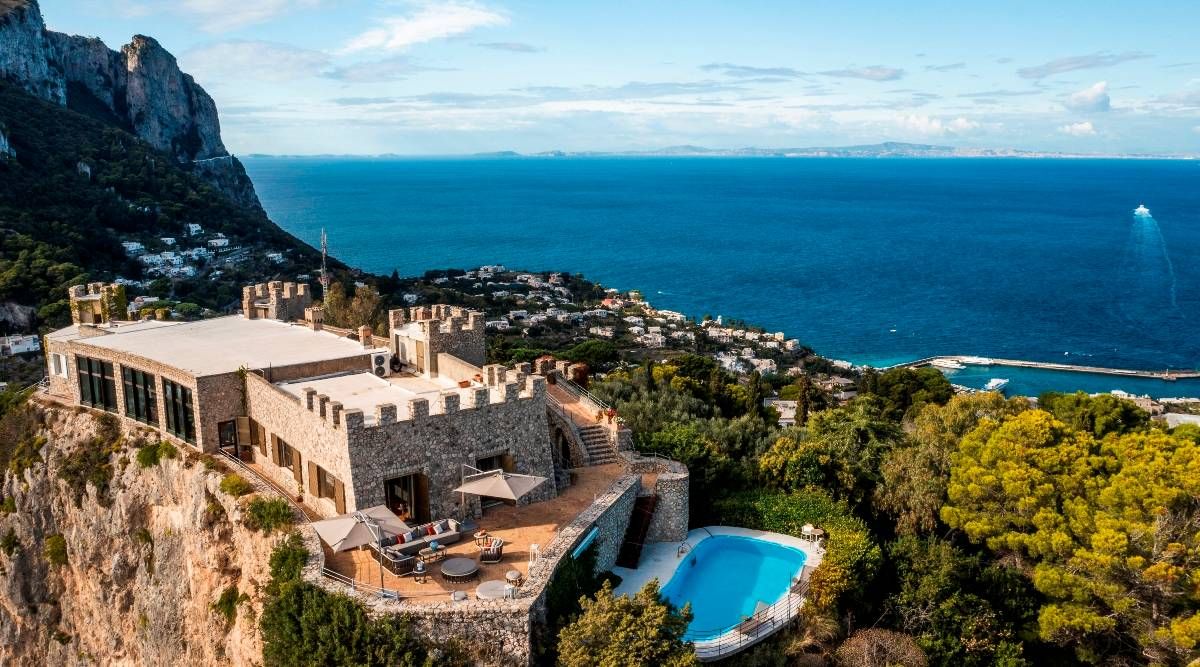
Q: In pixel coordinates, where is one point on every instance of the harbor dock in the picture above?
(1169, 375)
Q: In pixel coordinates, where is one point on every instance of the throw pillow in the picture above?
(429, 529)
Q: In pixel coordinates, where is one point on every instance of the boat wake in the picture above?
(1147, 278)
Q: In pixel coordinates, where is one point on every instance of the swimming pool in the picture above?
(725, 576)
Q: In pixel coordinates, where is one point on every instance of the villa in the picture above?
(347, 419)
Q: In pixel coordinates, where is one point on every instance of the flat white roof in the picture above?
(225, 344)
(363, 391)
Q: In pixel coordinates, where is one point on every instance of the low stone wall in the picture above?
(670, 521)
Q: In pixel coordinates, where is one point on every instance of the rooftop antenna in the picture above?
(324, 273)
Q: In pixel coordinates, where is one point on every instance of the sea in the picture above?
(875, 261)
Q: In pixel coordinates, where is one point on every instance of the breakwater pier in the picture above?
(1168, 375)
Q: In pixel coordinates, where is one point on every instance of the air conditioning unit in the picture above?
(381, 362)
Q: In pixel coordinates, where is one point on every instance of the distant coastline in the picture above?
(890, 149)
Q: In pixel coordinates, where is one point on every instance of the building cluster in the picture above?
(182, 257)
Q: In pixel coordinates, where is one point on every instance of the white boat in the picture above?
(1141, 211)
(947, 364)
(995, 384)
(977, 361)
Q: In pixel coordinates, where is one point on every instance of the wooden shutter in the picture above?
(275, 450)
(313, 489)
(243, 431)
(297, 465)
(260, 438)
(339, 496)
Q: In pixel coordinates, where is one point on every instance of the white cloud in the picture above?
(932, 126)
(1082, 129)
(1094, 98)
(430, 22)
(223, 15)
(872, 73)
(253, 60)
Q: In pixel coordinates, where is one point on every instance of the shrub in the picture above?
(269, 514)
(235, 485)
(227, 603)
(55, 550)
(150, 455)
(878, 648)
(305, 625)
(9, 543)
(91, 461)
(851, 556)
(287, 562)
(9, 505)
(20, 443)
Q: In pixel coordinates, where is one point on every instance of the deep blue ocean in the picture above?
(874, 261)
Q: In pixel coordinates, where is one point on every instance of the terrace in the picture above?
(519, 526)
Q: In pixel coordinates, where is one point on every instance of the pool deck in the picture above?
(660, 560)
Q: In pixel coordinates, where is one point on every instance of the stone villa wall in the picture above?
(670, 521)
(437, 443)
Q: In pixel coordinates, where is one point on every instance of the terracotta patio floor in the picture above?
(519, 527)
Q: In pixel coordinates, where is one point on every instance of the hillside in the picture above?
(72, 188)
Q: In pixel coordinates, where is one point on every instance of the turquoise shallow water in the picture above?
(724, 577)
(875, 261)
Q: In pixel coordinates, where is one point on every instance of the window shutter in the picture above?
(260, 435)
(297, 466)
(312, 480)
(274, 450)
(339, 496)
(243, 431)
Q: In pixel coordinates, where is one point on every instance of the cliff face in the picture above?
(140, 88)
(145, 561)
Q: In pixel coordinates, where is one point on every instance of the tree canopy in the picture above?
(1108, 529)
(611, 631)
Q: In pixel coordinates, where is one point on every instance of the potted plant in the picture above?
(299, 492)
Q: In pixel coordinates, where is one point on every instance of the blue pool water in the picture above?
(874, 261)
(725, 576)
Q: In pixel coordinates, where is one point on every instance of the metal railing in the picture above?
(580, 392)
(716, 644)
(336, 577)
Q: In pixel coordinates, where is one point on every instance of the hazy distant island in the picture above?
(886, 149)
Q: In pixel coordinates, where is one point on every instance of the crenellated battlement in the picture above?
(420, 334)
(446, 405)
(276, 300)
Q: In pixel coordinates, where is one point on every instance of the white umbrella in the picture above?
(500, 484)
(352, 530)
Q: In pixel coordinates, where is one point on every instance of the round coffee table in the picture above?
(493, 589)
(460, 569)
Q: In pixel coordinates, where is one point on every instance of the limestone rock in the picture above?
(140, 88)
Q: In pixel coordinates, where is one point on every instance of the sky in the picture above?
(464, 76)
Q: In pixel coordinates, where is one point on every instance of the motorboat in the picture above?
(995, 384)
(1141, 211)
(946, 364)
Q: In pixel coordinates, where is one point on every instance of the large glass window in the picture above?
(97, 386)
(177, 402)
(140, 400)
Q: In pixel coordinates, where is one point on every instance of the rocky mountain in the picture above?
(140, 89)
(108, 560)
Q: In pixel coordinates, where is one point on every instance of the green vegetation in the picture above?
(90, 462)
(642, 629)
(269, 514)
(21, 440)
(55, 550)
(226, 605)
(965, 530)
(10, 543)
(62, 227)
(235, 485)
(304, 625)
(151, 454)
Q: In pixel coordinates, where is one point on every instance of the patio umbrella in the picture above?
(500, 484)
(352, 530)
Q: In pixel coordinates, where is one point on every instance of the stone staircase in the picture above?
(599, 448)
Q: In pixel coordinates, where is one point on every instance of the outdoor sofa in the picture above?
(420, 537)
